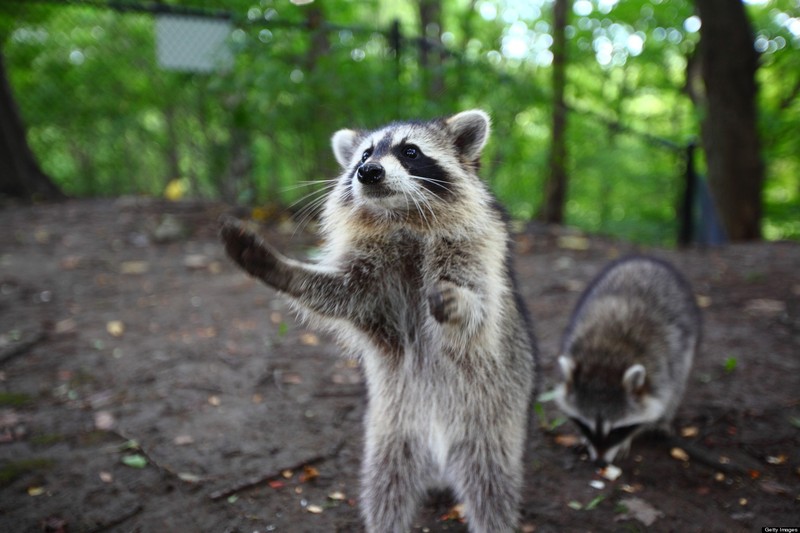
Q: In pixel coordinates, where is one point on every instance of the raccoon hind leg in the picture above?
(393, 484)
(488, 481)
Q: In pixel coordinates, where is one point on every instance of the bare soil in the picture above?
(146, 384)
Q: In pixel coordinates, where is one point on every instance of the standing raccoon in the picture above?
(415, 279)
(627, 353)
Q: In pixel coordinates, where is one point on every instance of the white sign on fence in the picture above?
(192, 43)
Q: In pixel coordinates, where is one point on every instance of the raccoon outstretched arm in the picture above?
(322, 290)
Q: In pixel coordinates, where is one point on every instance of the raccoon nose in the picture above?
(370, 173)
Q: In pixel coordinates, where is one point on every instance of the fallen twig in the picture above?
(258, 480)
(707, 457)
(21, 346)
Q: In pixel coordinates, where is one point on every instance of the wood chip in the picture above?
(679, 454)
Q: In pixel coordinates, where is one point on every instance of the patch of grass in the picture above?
(14, 469)
(46, 439)
(15, 399)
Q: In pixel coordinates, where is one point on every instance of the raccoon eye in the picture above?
(411, 151)
(366, 155)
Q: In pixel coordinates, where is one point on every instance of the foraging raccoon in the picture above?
(627, 353)
(415, 279)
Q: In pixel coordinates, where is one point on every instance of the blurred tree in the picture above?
(728, 62)
(555, 192)
(20, 174)
(430, 52)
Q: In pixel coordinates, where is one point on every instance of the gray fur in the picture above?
(627, 353)
(415, 280)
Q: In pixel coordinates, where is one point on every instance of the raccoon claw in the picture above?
(442, 303)
(246, 249)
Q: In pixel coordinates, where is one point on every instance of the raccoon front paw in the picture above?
(443, 302)
(247, 249)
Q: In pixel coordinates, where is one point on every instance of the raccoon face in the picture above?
(608, 414)
(410, 167)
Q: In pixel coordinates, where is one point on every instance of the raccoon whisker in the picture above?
(418, 207)
(439, 183)
(308, 211)
(322, 190)
(426, 203)
(310, 183)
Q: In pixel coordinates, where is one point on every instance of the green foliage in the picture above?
(105, 119)
(11, 470)
(14, 399)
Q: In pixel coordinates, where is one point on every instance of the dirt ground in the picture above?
(148, 385)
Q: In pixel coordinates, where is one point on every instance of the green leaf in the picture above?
(595, 502)
(135, 460)
(730, 364)
(283, 329)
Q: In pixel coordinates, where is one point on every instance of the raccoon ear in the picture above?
(567, 365)
(633, 379)
(344, 144)
(471, 131)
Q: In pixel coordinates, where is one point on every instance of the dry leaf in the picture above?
(35, 491)
(567, 440)
(690, 431)
(773, 487)
(597, 484)
(134, 267)
(182, 440)
(573, 242)
(455, 513)
(314, 509)
(679, 454)
(104, 420)
(67, 325)
(309, 473)
(287, 474)
(106, 477)
(196, 262)
(640, 510)
(214, 400)
(765, 306)
(276, 484)
(777, 460)
(337, 496)
(309, 339)
(188, 477)
(115, 328)
(631, 489)
(611, 472)
(703, 301)
(292, 378)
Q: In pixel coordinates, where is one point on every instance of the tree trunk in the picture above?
(729, 130)
(555, 191)
(430, 52)
(20, 174)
